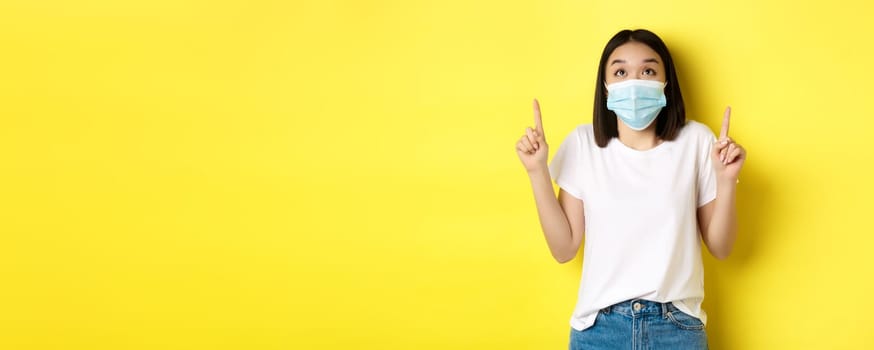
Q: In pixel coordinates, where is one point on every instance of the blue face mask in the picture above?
(636, 102)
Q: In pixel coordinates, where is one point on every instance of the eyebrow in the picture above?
(653, 60)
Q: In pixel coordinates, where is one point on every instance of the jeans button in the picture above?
(637, 306)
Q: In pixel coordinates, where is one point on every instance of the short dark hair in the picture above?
(670, 119)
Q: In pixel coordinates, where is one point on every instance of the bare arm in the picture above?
(717, 220)
(561, 219)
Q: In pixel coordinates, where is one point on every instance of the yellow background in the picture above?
(330, 174)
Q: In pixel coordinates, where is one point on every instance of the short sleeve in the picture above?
(706, 173)
(565, 167)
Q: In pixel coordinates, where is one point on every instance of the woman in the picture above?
(643, 185)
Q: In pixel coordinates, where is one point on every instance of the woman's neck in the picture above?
(640, 140)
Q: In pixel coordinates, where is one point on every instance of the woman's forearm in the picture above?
(722, 230)
(553, 220)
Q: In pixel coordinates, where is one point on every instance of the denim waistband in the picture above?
(637, 307)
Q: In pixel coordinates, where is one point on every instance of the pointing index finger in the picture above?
(538, 121)
(725, 121)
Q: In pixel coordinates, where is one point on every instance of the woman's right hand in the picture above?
(532, 148)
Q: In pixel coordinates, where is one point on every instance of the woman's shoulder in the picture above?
(584, 129)
(697, 130)
(583, 132)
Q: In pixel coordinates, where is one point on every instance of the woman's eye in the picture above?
(619, 73)
(649, 71)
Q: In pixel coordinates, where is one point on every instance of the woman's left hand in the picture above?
(728, 156)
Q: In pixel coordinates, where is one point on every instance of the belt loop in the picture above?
(664, 310)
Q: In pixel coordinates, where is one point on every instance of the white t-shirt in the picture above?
(641, 227)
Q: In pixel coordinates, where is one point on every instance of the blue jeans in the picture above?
(639, 324)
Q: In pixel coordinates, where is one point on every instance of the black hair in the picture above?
(670, 119)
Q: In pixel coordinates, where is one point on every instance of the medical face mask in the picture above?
(636, 102)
